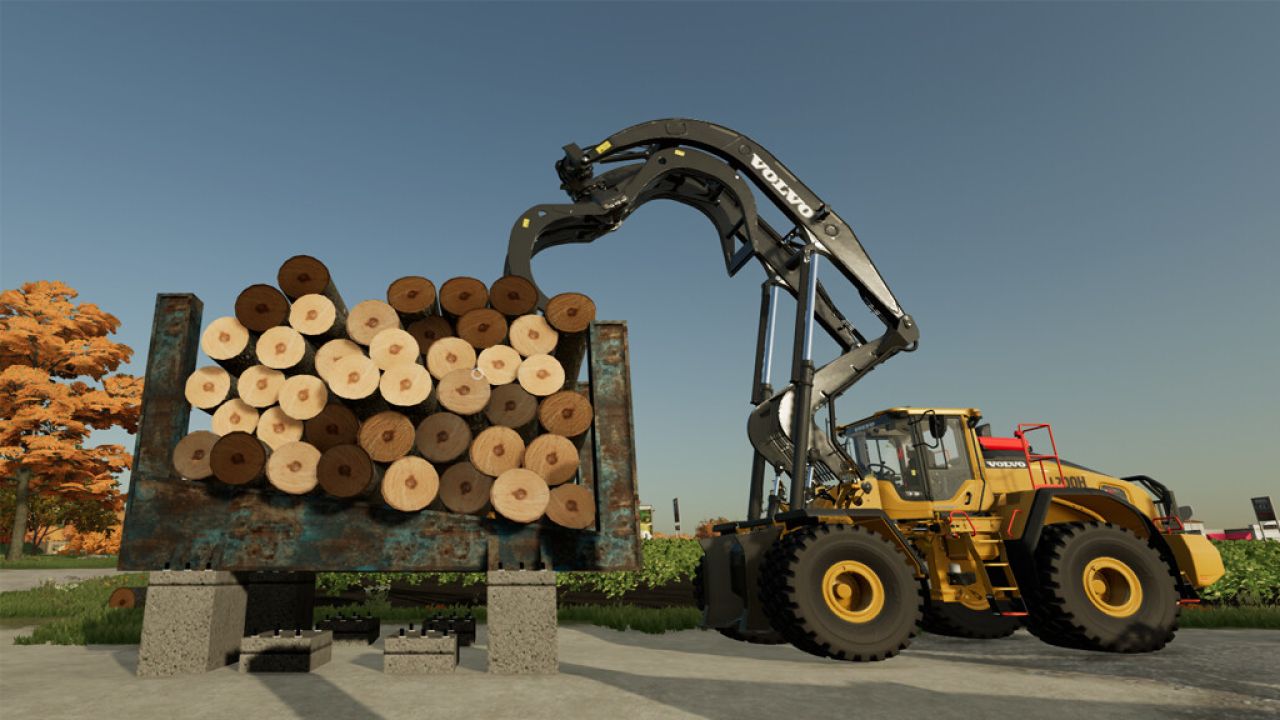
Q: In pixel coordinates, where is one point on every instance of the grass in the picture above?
(103, 626)
(65, 600)
(58, 562)
(1227, 616)
(630, 617)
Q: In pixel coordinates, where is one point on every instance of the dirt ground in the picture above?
(693, 674)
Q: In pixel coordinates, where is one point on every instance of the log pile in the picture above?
(455, 399)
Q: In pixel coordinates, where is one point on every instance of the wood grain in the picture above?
(553, 457)
(292, 468)
(386, 436)
(328, 355)
(442, 437)
(368, 319)
(570, 312)
(410, 484)
(261, 307)
(541, 375)
(193, 455)
(393, 347)
(227, 342)
(346, 471)
(464, 489)
(460, 295)
(499, 364)
(275, 428)
(520, 495)
(238, 458)
(260, 386)
(511, 406)
(413, 296)
(335, 425)
(463, 391)
(572, 506)
(513, 296)
(208, 387)
(496, 450)
(303, 397)
(531, 335)
(428, 330)
(235, 415)
(482, 327)
(566, 413)
(449, 354)
(316, 316)
(284, 348)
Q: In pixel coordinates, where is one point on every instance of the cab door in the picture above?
(943, 456)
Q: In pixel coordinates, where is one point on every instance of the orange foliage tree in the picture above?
(48, 348)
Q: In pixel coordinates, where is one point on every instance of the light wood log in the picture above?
(513, 296)
(261, 307)
(483, 327)
(128, 597)
(428, 330)
(572, 506)
(328, 355)
(284, 348)
(520, 495)
(553, 457)
(407, 388)
(464, 392)
(369, 318)
(354, 377)
(303, 275)
(499, 364)
(413, 296)
(346, 471)
(386, 436)
(531, 335)
(238, 458)
(497, 450)
(464, 489)
(511, 406)
(335, 425)
(393, 347)
(292, 468)
(541, 375)
(460, 295)
(315, 316)
(566, 413)
(208, 387)
(192, 456)
(228, 343)
(235, 415)
(449, 354)
(260, 386)
(570, 312)
(442, 437)
(275, 428)
(410, 484)
(303, 397)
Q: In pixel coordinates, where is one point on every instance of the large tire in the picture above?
(956, 620)
(841, 591)
(755, 638)
(1102, 588)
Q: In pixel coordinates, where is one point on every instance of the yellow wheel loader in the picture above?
(913, 517)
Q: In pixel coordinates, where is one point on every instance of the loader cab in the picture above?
(925, 454)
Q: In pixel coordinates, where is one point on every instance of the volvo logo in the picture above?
(780, 185)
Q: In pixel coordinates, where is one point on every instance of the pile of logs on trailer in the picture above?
(461, 398)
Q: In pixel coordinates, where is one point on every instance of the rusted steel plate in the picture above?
(177, 523)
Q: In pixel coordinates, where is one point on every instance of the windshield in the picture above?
(884, 447)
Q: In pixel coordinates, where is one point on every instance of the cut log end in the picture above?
(238, 458)
(442, 437)
(412, 295)
(235, 415)
(393, 347)
(354, 377)
(313, 315)
(428, 330)
(226, 338)
(541, 375)
(461, 295)
(193, 455)
(331, 352)
(496, 450)
(513, 296)
(406, 385)
(303, 397)
(345, 471)
(520, 495)
(127, 597)
(369, 318)
(208, 387)
(464, 391)
(410, 484)
(292, 467)
(449, 354)
(531, 335)
(571, 312)
(553, 457)
(511, 406)
(499, 364)
(572, 506)
(261, 307)
(335, 425)
(303, 275)
(482, 328)
(464, 489)
(566, 413)
(260, 386)
(386, 436)
(275, 428)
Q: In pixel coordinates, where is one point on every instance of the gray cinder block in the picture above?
(420, 654)
(192, 623)
(522, 622)
(290, 651)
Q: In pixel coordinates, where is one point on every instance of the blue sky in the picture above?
(1077, 202)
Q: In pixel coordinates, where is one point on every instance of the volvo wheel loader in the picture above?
(913, 517)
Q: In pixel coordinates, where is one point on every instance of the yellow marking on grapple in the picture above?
(603, 147)
(524, 223)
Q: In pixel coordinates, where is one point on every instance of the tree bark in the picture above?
(20, 510)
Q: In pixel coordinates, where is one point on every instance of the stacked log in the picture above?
(455, 398)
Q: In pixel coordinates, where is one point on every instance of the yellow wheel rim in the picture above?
(1112, 587)
(853, 591)
(973, 600)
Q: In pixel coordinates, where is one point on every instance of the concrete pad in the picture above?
(1230, 674)
(193, 622)
(299, 651)
(521, 609)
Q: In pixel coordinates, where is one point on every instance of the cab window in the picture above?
(945, 459)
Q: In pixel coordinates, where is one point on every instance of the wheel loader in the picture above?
(910, 518)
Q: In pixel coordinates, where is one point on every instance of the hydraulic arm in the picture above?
(707, 167)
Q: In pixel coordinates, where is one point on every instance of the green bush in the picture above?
(1252, 577)
(1227, 616)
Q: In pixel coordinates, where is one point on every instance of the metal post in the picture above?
(802, 380)
(761, 388)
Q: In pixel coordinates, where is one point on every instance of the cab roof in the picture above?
(907, 410)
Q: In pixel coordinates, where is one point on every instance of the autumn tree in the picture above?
(56, 387)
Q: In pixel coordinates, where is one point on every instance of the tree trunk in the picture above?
(19, 530)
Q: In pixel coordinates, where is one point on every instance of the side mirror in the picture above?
(1185, 513)
(984, 430)
(937, 426)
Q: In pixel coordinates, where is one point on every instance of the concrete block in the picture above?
(288, 652)
(420, 654)
(279, 599)
(522, 622)
(355, 630)
(192, 623)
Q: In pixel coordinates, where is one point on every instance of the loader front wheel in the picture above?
(1103, 588)
(841, 591)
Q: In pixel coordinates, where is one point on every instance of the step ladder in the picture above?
(1037, 460)
(1012, 605)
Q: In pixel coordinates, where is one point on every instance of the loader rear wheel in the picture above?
(956, 620)
(841, 591)
(733, 633)
(1102, 588)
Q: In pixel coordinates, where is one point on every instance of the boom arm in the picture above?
(706, 166)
